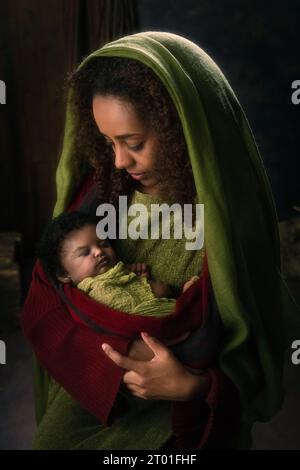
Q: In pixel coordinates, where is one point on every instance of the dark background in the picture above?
(255, 44)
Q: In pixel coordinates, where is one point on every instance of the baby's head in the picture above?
(70, 250)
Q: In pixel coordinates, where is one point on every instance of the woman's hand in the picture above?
(139, 350)
(161, 378)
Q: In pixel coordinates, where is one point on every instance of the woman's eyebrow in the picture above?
(124, 136)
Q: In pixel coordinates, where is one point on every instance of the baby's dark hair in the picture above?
(49, 246)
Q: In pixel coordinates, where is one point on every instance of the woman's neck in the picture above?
(156, 191)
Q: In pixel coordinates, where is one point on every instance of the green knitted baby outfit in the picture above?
(126, 292)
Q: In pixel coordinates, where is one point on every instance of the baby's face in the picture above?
(84, 255)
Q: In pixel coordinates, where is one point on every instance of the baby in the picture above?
(70, 251)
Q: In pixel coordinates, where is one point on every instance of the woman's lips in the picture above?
(137, 176)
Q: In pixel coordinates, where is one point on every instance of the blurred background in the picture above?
(256, 45)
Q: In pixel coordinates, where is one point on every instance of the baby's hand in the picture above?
(140, 269)
(190, 282)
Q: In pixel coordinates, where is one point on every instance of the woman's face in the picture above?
(135, 146)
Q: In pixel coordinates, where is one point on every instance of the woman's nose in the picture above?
(122, 159)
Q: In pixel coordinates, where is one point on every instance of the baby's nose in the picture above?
(98, 251)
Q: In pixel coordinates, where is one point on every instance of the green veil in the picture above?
(241, 231)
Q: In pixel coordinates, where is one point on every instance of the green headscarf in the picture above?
(241, 230)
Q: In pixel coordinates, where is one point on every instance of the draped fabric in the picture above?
(89, 24)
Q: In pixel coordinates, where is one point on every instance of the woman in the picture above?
(155, 119)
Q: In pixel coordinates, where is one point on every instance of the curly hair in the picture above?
(50, 244)
(135, 83)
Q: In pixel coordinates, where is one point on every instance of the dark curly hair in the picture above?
(49, 246)
(134, 82)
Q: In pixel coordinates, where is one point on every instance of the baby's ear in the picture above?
(65, 279)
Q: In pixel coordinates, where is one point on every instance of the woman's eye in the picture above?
(138, 147)
(134, 148)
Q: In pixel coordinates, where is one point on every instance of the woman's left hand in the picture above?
(161, 378)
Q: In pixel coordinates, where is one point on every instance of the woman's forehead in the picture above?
(116, 118)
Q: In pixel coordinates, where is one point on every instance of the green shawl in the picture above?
(241, 230)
